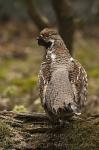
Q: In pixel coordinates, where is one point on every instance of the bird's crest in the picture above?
(48, 32)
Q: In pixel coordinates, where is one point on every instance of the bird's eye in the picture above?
(46, 34)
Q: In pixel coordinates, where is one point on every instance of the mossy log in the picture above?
(20, 131)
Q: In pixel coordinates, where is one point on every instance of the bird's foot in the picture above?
(64, 123)
(61, 124)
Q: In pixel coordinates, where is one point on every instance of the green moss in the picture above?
(4, 130)
(5, 136)
(10, 91)
(94, 73)
(19, 108)
(2, 74)
(25, 84)
(93, 87)
(82, 136)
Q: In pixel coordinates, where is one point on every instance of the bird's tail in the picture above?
(68, 110)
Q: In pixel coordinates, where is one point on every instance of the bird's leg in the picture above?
(64, 123)
(61, 124)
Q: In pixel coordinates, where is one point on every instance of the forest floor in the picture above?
(20, 58)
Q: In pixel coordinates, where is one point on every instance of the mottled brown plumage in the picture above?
(63, 81)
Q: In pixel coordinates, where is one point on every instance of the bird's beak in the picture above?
(41, 41)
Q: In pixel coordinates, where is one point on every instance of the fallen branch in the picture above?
(34, 131)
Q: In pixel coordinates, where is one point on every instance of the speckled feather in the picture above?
(63, 80)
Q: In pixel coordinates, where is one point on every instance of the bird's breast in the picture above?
(59, 91)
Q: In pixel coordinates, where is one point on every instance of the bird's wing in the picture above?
(78, 79)
(44, 77)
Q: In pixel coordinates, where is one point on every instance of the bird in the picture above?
(63, 80)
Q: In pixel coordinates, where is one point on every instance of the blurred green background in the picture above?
(20, 55)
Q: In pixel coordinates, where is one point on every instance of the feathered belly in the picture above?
(59, 94)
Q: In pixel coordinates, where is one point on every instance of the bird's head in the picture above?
(53, 43)
(48, 37)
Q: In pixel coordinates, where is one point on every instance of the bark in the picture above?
(39, 20)
(65, 21)
(34, 131)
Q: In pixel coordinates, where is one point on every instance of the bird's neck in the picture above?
(58, 53)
